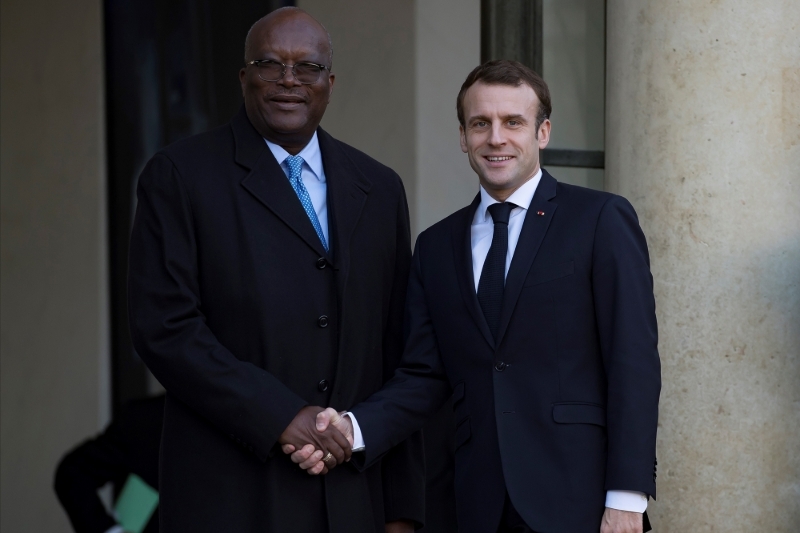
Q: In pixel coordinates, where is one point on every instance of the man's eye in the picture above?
(513, 123)
(480, 124)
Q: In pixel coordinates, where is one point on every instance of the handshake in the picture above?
(318, 439)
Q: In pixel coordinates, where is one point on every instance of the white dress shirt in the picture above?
(313, 176)
(482, 231)
(483, 226)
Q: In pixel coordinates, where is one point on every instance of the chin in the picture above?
(288, 126)
(499, 182)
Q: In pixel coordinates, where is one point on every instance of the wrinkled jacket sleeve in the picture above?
(628, 335)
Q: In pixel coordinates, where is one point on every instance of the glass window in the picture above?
(573, 64)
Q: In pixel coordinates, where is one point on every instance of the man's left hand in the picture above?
(615, 521)
(308, 457)
(400, 526)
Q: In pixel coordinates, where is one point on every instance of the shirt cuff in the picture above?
(115, 529)
(358, 439)
(626, 500)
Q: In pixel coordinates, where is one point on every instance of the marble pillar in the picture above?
(703, 137)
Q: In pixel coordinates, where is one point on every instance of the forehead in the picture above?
(291, 36)
(500, 100)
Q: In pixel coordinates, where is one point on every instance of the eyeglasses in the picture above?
(306, 72)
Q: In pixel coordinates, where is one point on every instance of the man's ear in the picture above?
(462, 135)
(544, 133)
(331, 79)
(243, 79)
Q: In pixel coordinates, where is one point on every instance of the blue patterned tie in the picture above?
(295, 164)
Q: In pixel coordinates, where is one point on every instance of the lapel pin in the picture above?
(540, 213)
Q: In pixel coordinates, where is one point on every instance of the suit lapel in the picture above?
(268, 183)
(347, 194)
(462, 255)
(530, 238)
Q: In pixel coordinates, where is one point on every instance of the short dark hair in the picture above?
(507, 72)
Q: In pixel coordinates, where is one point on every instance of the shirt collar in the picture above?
(310, 153)
(522, 197)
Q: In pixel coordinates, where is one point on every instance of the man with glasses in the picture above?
(268, 271)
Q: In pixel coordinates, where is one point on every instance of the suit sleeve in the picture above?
(169, 329)
(418, 388)
(625, 311)
(403, 467)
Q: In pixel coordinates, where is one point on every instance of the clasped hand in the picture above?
(314, 433)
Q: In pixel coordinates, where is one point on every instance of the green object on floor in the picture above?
(136, 504)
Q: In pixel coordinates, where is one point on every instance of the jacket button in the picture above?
(323, 385)
(323, 321)
(321, 263)
(500, 366)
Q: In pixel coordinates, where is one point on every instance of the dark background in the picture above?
(171, 71)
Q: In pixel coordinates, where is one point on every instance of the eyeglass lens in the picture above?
(302, 72)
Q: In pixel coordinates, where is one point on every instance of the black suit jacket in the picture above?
(129, 445)
(228, 287)
(563, 406)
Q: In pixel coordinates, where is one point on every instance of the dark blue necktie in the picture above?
(493, 275)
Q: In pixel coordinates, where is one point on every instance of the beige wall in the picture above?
(53, 302)
(399, 66)
(401, 110)
(448, 48)
(373, 98)
(703, 136)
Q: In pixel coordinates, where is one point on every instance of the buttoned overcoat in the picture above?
(244, 318)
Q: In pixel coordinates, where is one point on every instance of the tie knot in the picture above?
(295, 164)
(501, 212)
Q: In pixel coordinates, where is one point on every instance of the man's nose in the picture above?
(497, 137)
(288, 79)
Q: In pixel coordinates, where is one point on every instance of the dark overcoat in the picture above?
(244, 318)
(563, 405)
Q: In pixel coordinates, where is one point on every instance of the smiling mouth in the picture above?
(498, 158)
(285, 99)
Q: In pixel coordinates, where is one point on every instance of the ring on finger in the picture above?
(327, 457)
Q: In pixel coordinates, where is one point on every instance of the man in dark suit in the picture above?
(269, 264)
(534, 307)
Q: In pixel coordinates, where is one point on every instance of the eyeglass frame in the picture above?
(255, 63)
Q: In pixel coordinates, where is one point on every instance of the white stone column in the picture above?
(703, 137)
